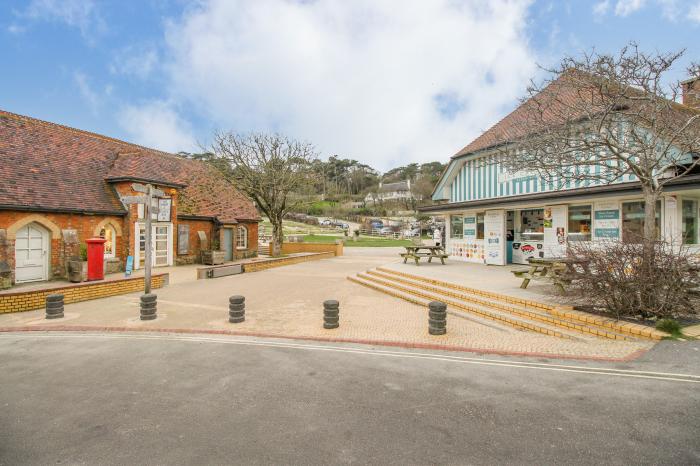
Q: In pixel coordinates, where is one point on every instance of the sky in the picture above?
(385, 82)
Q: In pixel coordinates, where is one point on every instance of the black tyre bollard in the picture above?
(331, 314)
(236, 309)
(437, 322)
(54, 306)
(148, 306)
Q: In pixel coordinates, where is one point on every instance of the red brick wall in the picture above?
(85, 226)
(194, 247)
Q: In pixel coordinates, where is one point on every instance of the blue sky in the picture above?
(384, 82)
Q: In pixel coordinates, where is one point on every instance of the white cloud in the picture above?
(601, 8)
(81, 14)
(157, 124)
(88, 94)
(363, 79)
(135, 60)
(627, 7)
(670, 9)
(694, 13)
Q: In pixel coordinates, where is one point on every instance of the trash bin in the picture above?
(95, 256)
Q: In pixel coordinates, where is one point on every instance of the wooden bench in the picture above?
(542, 269)
(413, 252)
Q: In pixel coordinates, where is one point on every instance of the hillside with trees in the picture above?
(341, 187)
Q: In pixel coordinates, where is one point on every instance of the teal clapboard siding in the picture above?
(485, 178)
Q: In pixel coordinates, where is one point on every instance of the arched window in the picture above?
(110, 236)
(241, 237)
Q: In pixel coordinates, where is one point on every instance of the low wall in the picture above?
(265, 264)
(36, 299)
(296, 248)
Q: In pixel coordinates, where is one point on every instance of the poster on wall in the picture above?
(555, 224)
(494, 237)
(606, 220)
(470, 227)
(164, 205)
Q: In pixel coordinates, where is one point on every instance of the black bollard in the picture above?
(54, 306)
(331, 313)
(236, 309)
(437, 322)
(148, 306)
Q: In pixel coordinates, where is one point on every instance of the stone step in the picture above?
(423, 302)
(560, 311)
(481, 311)
(523, 312)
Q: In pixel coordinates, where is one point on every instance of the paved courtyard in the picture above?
(287, 302)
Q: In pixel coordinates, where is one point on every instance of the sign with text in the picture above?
(469, 228)
(555, 224)
(495, 237)
(606, 220)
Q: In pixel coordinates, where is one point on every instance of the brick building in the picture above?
(60, 186)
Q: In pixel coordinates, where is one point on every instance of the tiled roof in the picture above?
(54, 167)
(206, 192)
(513, 125)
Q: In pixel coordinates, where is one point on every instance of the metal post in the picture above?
(236, 309)
(54, 306)
(331, 313)
(437, 322)
(148, 259)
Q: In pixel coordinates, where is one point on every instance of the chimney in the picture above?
(691, 92)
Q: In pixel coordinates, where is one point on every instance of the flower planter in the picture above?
(210, 257)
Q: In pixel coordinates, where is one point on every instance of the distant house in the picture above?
(60, 186)
(391, 192)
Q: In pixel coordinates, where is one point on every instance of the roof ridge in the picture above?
(30, 119)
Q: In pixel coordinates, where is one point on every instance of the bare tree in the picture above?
(602, 117)
(272, 169)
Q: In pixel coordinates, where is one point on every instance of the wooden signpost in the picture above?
(148, 211)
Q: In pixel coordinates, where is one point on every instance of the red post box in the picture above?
(95, 256)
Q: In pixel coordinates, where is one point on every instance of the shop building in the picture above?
(60, 186)
(496, 217)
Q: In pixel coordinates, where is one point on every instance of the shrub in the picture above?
(83, 251)
(669, 326)
(647, 279)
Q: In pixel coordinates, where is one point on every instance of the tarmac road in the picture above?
(172, 399)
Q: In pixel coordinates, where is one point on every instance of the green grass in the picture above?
(363, 241)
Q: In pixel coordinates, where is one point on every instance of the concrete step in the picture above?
(473, 309)
(527, 313)
(566, 313)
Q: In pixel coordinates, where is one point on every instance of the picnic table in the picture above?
(416, 252)
(551, 269)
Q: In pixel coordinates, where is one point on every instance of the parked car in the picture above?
(411, 233)
(325, 222)
(376, 224)
(386, 231)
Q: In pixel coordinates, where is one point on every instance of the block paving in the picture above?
(287, 302)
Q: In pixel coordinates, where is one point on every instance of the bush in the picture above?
(647, 279)
(669, 326)
(83, 251)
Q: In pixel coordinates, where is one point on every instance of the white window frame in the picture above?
(241, 244)
(113, 230)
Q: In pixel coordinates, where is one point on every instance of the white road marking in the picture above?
(671, 377)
